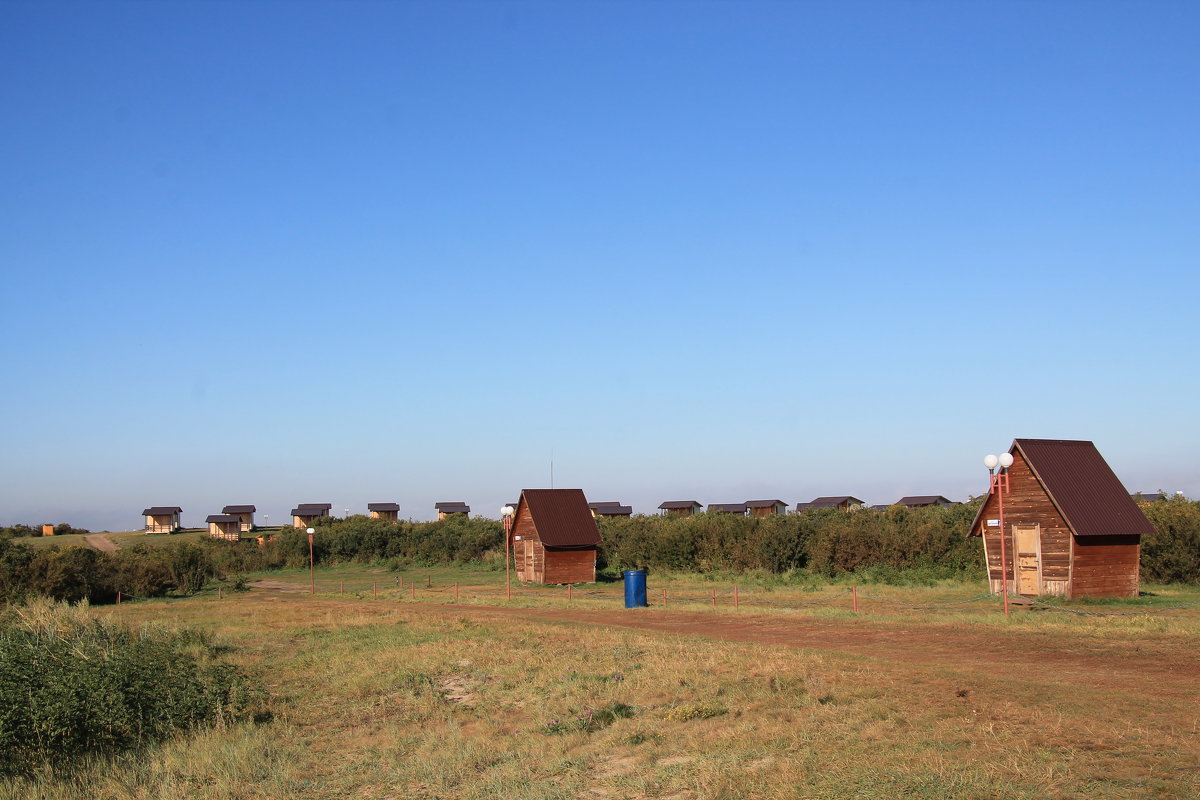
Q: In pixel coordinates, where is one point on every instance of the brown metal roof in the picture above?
(923, 500)
(680, 504)
(223, 518)
(1083, 487)
(315, 506)
(562, 518)
(238, 510)
(728, 508)
(764, 503)
(614, 511)
(605, 504)
(158, 511)
(453, 508)
(383, 506)
(828, 502)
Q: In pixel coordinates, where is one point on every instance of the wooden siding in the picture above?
(1026, 503)
(1105, 566)
(679, 512)
(224, 530)
(388, 515)
(767, 511)
(162, 523)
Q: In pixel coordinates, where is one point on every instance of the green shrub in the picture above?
(72, 685)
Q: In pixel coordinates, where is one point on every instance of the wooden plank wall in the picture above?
(570, 566)
(1105, 566)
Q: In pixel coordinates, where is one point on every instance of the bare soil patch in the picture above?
(101, 542)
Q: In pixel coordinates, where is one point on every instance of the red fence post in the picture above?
(735, 597)
(664, 591)
(854, 597)
(568, 592)
(714, 599)
(118, 598)
(412, 587)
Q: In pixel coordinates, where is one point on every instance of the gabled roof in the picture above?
(158, 511)
(383, 506)
(923, 500)
(764, 503)
(672, 504)
(452, 508)
(238, 510)
(828, 502)
(315, 506)
(606, 504)
(1148, 497)
(561, 516)
(223, 518)
(1082, 486)
(728, 508)
(613, 511)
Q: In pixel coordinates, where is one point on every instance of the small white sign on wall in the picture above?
(993, 523)
(517, 538)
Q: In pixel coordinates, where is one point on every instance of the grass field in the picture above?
(399, 697)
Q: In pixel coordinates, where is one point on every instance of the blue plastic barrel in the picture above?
(635, 588)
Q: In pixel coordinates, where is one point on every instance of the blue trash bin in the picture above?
(635, 588)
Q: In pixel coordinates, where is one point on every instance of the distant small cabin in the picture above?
(305, 514)
(554, 537)
(845, 502)
(1148, 497)
(610, 509)
(680, 508)
(389, 511)
(245, 515)
(766, 508)
(224, 526)
(451, 509)
(1070, 528)
(922, 500)
(727, 508)
(47, 530)
(162, 519)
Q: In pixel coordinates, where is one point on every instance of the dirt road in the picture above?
(101, 542)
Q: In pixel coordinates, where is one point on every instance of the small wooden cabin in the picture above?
(1070, 527)
(680, 508)
(449, 509)
(305, 514)
(727, 508)
(47, 530)
(923, 500)
(388, 511)
(610, 509)
(761, 509)
(845, 502)
(162, 519)
(245, 515)
(224, 526)
(554, 537)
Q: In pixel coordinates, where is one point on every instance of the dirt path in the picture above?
(101, 541)
(1162, 667)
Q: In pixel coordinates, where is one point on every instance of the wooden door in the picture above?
(1026, 559)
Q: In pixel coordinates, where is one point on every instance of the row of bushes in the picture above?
(828, 542)
(19, 530)
(72, 685)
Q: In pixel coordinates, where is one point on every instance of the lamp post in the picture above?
(998, 485)
(347, 513)
(506, 514)
(312, 580)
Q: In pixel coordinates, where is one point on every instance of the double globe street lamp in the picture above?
(506, 514)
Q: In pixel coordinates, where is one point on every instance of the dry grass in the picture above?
(395, 699)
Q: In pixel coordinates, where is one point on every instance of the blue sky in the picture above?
(276, 253)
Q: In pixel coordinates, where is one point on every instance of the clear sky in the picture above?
(283, 252)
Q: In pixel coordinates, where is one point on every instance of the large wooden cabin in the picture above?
(923, 501)
(388, 511)
(844, 501)
(450, 509)
(680, 508)
(162, 519)
(305, 514)
(245, 515)
(224, 526)
(760, 509)
(1070, 527)
(554, 537)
